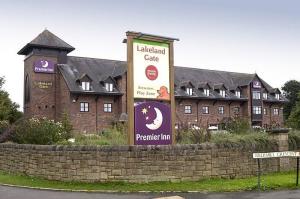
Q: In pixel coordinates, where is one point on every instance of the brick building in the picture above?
(92, 92)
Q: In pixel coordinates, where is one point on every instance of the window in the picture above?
(256, 110)
(265, 111)
(189, 91)
(85, 86)
(275, 111)
(238, 94)
(188, 109)
(221, 110)
(256, 94)
(84, 107)
(205, 109)
(107, 107)
(277, 96)
(222, 93)
(206, 92)
(109, 87)
(236, 110)
(265, 95)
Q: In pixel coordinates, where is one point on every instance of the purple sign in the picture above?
(43, 66)
(152, 124)
(256, 84)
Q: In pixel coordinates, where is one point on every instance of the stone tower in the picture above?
(41, 74)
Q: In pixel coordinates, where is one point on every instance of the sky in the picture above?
(248, 36)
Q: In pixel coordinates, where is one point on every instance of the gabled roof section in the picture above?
(46, 39)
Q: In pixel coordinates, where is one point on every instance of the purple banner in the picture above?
(152, 124)
(43, 66)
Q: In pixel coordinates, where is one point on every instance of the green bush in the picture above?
(3, 125)
(294, 140)
(39, 131)
(258, 140)
(236, 125)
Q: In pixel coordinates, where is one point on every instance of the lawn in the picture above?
(283, 180)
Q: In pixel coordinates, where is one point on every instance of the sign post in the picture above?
(150, 89)
(260, 156)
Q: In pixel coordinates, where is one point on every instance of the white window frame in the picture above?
(109, 87)
(187, 109)
(107, 107)
(189, 90)
(205, 109)
(256, 110)
(265, 111)
(223, 93)
(256, 95)
(276, 111)
(236, 110)
(84, 107)
(221, 110)
(238, 94)
(206, 91)
(277, 96)
(86, 86)
(265, 95)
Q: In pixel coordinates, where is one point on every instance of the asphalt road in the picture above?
(17, 193)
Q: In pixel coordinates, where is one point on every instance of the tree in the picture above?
(8, 109)
(291, 89)
(294, 118)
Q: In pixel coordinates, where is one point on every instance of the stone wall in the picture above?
(132, 163)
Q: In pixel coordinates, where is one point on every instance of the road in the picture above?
(24, 193)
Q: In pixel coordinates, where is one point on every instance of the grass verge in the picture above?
(284, 180)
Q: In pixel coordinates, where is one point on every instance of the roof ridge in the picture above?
(95, 58)
(193, 68)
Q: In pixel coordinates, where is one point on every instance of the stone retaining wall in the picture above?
(131, 163)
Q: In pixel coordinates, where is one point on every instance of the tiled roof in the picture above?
(99, 70)
(46, 39)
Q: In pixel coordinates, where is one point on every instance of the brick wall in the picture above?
(133, 163)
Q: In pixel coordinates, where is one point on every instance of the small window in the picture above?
(189, 91)
(277, 96)
(109, 87)
(265, 111)
(205, 110)
(206, 92)
(221, 110)
(256, 95)
(84, 107)
(222, 93)
(238, 94)
(85, 86)
(265, 95)
(257, 110)
(187, 109)
(236, 110)
(107, 107)
(275, 111)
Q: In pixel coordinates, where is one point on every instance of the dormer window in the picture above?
(238, 94)
(277, 96)
(109, 87)
(189, 91)
(222, 93)
(85, 86)
(265, 95)
(206, 92)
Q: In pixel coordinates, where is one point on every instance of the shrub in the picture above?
(236, 125)
(39, 131)
(294, 140)
(3, 126)
(258, 140)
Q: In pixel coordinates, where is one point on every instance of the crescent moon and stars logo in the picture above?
(152, 123)
(43, 66)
